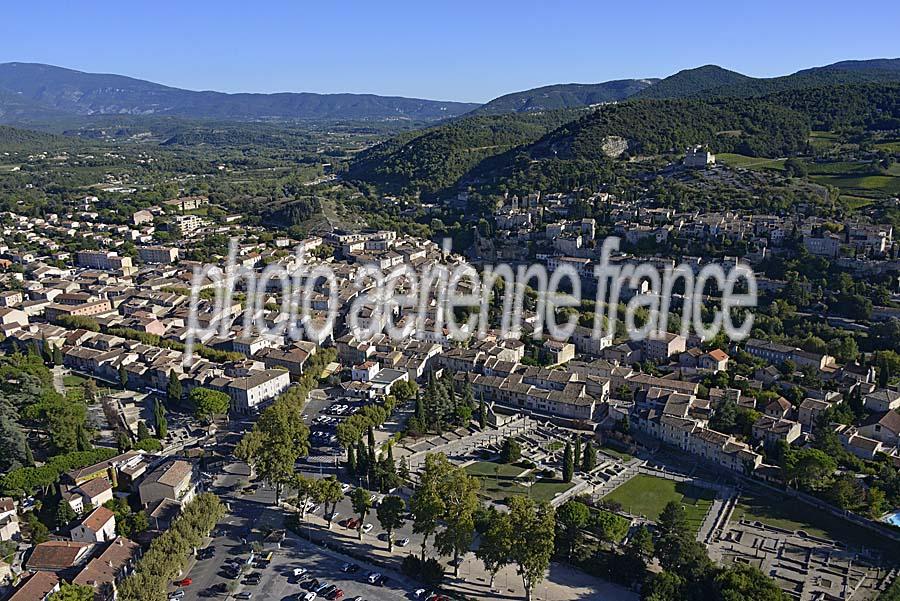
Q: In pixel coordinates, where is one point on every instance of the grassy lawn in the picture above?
(740, 160)
(647, 496)
(541, 490)
(489, 468)
(856, 202)
(73, 380)
(862, 185)
(792, 514)
(615, 453)
(497, 485)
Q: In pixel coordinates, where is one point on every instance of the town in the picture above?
(637, 340)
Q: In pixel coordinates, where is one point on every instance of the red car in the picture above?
(184, 582)
(352, 524)
(336, 594)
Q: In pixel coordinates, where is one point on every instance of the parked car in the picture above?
(176, 595)
(335, 594)
(403, 542)
(373, 577)
(183, 582)
(310, 596)
(300, 571)
(367, 528)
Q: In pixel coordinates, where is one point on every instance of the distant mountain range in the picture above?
(36, 92)
(32, 94)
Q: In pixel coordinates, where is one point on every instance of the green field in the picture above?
(73, 380)
(489, 468)
(745, 162)
(615, 453)
(500, 480)
(792, 514)
(862, 185)
(646, 496)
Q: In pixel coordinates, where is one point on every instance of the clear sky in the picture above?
(460, 50)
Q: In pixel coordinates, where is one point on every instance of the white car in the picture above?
(367, 528)
(345, 487)
(403, 542)
(310, 596)
(300, 571)
(374, 577)
(176, 595)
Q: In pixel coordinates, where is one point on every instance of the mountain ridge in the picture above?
(51, 90)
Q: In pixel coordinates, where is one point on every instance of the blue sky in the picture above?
(461, 50)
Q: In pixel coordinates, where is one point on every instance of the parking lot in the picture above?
(276, 580)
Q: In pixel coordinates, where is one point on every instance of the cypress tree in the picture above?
(568, 463)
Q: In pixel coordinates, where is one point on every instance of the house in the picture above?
(37, 587)
(770, 430)
(141, 217)
(715, 360)
(364, 371)
(810, 410)
(105, 572)
(780, 408)
(558, 352)
(882, 400)
(98, 527)
(660, 347)
(9, 521)
(9, 316)
(95, 492)
(172, 480)
(882, 426)
(249, 392)
(58, 555)
(698, 157)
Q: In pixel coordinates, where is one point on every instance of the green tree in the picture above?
(568, 463)
(362, 503)
(329, 493)
(532, 544)
(73, 592)
(511, 451)
(460, 494)
(64, 514)
(391, 515)
(143, 432)
(427, 503)
(571, 518)
(159, 418)
(174, 389)
(495, 549)
(589, 458)
(208, 404)
(123, 377)
(306, 488)
(276, 441)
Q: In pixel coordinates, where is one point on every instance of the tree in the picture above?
(73, 592)
(362, 503)
(328, 493)
(351, 460)
(306, 488)
(571, 517)
(482, 413)
(390, 514)
(532, 540)
(143, 432)
(640, 545)
(89, 387)
(174, 389)
(589, 458)
(426, 503)
(208, 403)
(495, 548)
(64, 514)
(740, 581)
(511, 451)
(460, 493)
(576, 459)
(568, 463)
(123, 377)
(276, 441)
(159, 418)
